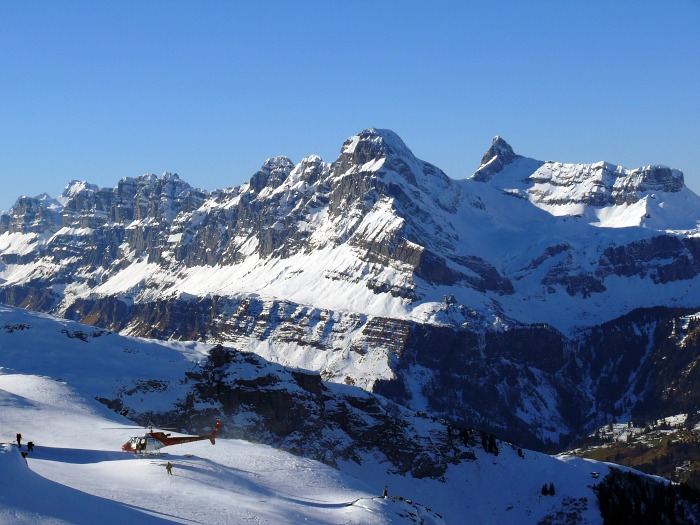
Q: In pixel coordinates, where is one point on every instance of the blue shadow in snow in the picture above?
(78, 456)
(183, 464)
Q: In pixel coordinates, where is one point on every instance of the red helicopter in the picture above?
(151, 442)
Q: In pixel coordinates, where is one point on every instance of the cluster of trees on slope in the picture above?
(628, 498)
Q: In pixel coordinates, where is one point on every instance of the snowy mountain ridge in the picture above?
(377, 222)
(378, 270)
(609, 196)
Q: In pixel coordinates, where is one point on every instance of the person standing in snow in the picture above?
(19, 440)
(169, 468)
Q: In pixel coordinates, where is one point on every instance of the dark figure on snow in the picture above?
(19, 440)
(30, 446)
(169, 468)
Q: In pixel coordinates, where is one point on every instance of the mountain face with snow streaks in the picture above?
(381, 271)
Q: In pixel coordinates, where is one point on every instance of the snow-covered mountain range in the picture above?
(534, 299)
(62, 385)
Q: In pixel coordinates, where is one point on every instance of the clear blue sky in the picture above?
(100, 90)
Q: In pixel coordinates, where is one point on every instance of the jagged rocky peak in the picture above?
(364, 150)
(76, 187)
(657, 178)
(80, 198)
(150, 182)
(310, 170)
(272, 173)
(373, 144)
(164, 197)
(87, 205)
(376, 163)
(497, 157)
(499, 148)
(31, 215)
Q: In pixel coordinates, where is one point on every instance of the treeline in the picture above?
(627, 498)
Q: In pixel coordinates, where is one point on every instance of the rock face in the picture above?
(259, 401)
(601, 184)
(492, 301)
(497, 157)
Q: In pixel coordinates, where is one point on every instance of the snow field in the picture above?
(49, 378)
(77, 473)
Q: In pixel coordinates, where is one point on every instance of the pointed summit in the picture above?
(497, 157)
(371, 146)
(499, 148)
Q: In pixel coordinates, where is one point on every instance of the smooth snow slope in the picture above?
(49, 378)
(76, 473)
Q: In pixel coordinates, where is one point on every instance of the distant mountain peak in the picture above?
(499, 147)
(272, 173)
(497, 157)
(369, 147)
(77, 186)
(387, 140)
